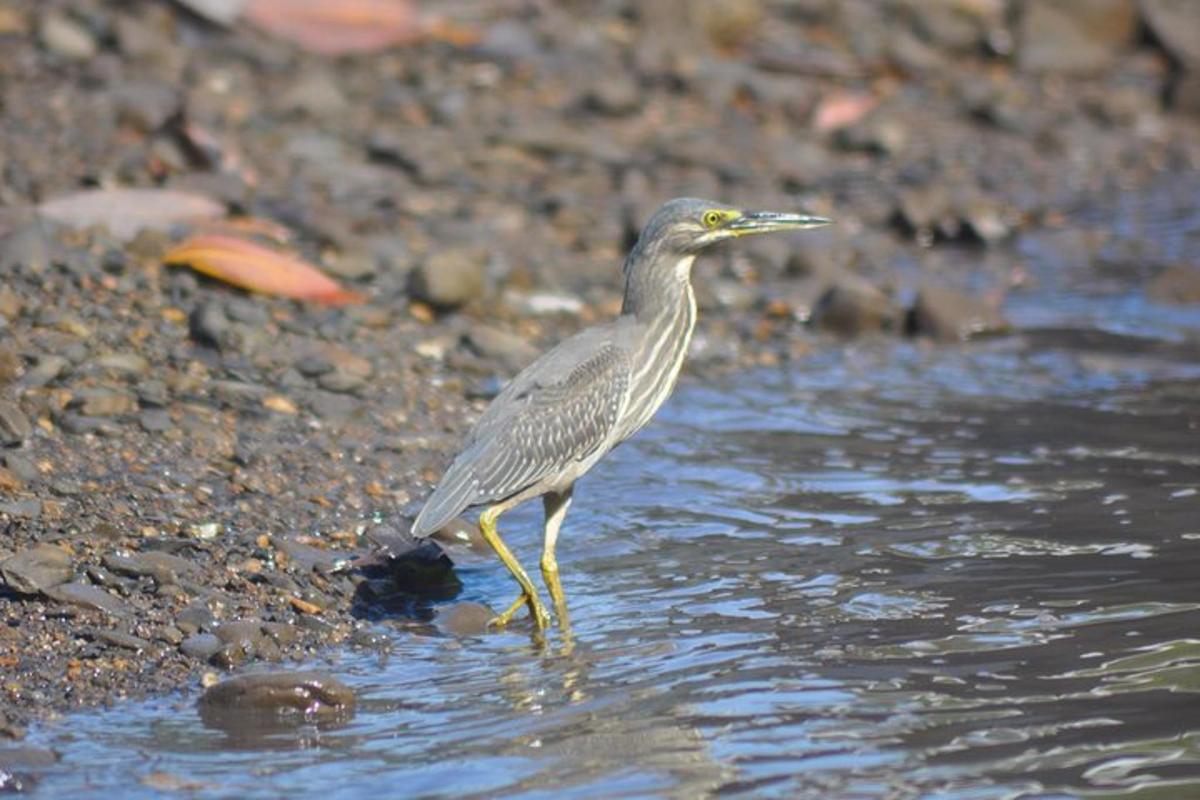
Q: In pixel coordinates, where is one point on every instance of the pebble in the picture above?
(449, 278)
(465, 619)
(15, 427)
(90, 597)
(37, 569)
(490, 342)
(97, 402)
(201, 646)
(145, 106)
(48, 369)
(66, 38)
(29, 508)
(126, 640)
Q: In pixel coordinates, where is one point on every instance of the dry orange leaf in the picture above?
(258, 269)
(336, 27)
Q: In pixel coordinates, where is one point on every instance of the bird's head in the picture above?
(687, 225)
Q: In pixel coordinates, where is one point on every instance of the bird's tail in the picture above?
(453, 495)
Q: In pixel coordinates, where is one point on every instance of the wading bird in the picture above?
(570, 407)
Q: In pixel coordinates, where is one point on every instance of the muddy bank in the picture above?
(189, 472)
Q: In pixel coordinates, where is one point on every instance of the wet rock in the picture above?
(305, 696)
(97, 402)
(1075, 36)
(155, 420)
(121, 364)
(1176, 284)
(90, 597)
(66, 38)
(194, 618)
(37, 569)
(15, 427)
(854, 306)
(80, 424)
(200, 646)
(20, 466)
(449, 278)
(949, 315)
(465, 619)
(350, 372)
(511, 350)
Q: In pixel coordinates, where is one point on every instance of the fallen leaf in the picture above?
(842, 109)
(337, 27)
(127, 212)
(258, 269)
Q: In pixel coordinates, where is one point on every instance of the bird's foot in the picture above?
(541, 618)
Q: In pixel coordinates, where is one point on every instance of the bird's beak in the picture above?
(753, 222)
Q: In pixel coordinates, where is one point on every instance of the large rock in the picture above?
(1075, 36)
(300, 695)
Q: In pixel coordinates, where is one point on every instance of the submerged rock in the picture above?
(854, 306)
(950, 315)
(276, 696)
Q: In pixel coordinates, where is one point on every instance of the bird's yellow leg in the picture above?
(541, 618)
(556, 506)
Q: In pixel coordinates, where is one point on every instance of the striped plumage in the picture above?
(575, 403)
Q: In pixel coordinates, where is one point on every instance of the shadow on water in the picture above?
(891, 571)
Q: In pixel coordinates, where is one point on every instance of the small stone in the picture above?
(511, 350)
(66, 38)
(95, 402)
(615, 94)
(854, 306)
(48, 369)
(90, 597)
(200, 646)
(449, 278)
(122, 363)
(316, 93)
(205, 530)
(208, 325)
(952, 316)
(125, 640)
(36, 569)
(15, 427)
(29, 508)
(29, 248)
(1073, 36)
(155, 420)
(10, 304)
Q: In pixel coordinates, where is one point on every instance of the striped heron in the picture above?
(567, 409)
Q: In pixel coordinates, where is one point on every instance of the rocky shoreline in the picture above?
(193, 478)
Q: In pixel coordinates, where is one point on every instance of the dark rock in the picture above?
(305, 696)
(465, 619)
(194, 618)
(853, 306)
(1075, 36)
(1177, 284)
(200, 646)
(313, 365)
(81, 424)
(37, 569)
(90, 597)
(952, 316)
(449, 278)
(208, 325)
(15, 427)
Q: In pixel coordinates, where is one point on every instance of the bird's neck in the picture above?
(651, 296)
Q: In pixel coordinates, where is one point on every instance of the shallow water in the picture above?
(893, 571)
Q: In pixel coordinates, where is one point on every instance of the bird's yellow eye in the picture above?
(712, 219)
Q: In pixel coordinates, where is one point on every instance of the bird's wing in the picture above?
(559, 410)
